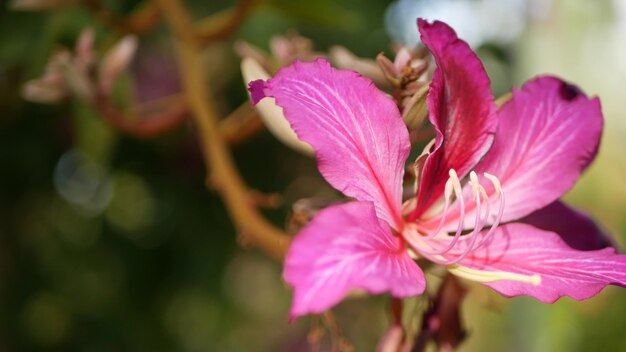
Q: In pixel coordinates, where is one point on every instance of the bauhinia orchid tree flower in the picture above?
(486, 202)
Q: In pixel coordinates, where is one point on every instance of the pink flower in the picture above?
(530, 151)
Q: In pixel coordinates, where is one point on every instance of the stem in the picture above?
(142, 20)
(256, 229)
(223, 24)
(241, 124)
(149, 123)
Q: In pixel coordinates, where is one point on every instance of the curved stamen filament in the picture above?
(423, 246)
(458, 191)
(435, 250)
(478, 225)
(447, 194)
(498, 187)
(491, 276)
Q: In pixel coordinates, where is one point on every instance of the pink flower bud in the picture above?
(345, 59)
(116, 61)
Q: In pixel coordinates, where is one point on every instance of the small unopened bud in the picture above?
(414, 109)
(392, 340)
(52, 87)
(345, 59)
(84, 55)
(271, 114)
(389, 70)
(291, 47)
(116, 61)
(40, 92)
(403, 58)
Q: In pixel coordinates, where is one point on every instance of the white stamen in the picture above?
(431, 250)
(412, 254)
(458, 191)
(477, 223)
(491, 276)
(447, 194)
(496, 184)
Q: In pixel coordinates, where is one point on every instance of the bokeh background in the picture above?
(113, 243)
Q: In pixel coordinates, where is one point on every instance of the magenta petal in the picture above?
(548, 133)
(576, 228)
(257, 90)
(524, 249)
(461, 109)
(346, 247)
(359, 138)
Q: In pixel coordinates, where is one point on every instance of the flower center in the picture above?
(437, 246)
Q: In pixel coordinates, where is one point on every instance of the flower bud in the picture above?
(52, 86)
(389, 70)
(286, 49)
(116, 61)
(414, 108)
(84, 55)
(272, 114)
(345, 59)
(392, 341)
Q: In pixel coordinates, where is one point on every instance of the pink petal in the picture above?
(576, 228)
(461, 109)
(346, 247)
(359, 138)
(548, 133)
(524, 249)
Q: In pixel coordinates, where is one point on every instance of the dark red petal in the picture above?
(462, 110)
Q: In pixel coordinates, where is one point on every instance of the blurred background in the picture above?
(111, 242)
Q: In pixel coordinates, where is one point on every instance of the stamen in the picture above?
(498, 187)
(491, 276)
(478, 225)
(432, 250)
(458, 191)
(447, 194)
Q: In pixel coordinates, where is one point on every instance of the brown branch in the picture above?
(225, 23)
(140, 21)
(148, 120)
(153, 118)
(217, 157)
(241, 124)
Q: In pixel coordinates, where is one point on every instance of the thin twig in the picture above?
(241, 124)
(142, 20)
(148, 121)
(217, 157)
(223, 24)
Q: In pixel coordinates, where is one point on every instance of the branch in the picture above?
(231, 187)
(141, 21)
(241, 124)
(148, 120)
(223, 24)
